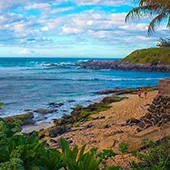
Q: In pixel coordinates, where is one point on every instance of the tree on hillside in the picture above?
(159, 9)
(164, 42)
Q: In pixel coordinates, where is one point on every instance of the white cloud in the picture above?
(25, 52)
(50, 29)
(57, 10)
(45, 29)
(19, 28)
(134, 27)
(103, 2)
(69, 30)
(40, 6)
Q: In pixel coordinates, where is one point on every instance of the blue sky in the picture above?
(71, 28)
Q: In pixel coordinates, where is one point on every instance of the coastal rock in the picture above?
(53, 141)
(54, 105)
(118, 91)
(88, 101)
(89, 126)
(132, 121)
(58, 130)
(71, 101)
(59, 104)
(119, 65)
(45, 111)
(99, 118)
(158, 113)
(66, 117)
(107, 126)
(105, 92)
(26, 118)
(118, 132)
(60, 122)
(27, 110)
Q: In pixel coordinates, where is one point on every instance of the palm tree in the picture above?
(164, 43)
(159, 9)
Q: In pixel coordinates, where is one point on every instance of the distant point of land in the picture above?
(150, 55)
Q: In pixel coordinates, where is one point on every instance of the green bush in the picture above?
(123, 147)
(155, 157)
(18, 152)
(1, 104)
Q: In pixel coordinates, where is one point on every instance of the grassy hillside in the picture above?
(150, 55)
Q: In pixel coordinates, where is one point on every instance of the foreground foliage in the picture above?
(156, 157)
(18, 152)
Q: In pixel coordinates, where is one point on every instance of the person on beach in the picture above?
(145, 93)
(139, 93)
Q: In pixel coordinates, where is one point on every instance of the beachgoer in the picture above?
(139, 93)
(146, 93)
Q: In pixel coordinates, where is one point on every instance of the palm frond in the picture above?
(156, 21)
(160, 9)
(168, 23)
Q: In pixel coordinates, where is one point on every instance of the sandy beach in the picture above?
(107, 129)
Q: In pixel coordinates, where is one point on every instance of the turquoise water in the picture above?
(32, 83)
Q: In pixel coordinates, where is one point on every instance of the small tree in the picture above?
(164, 42)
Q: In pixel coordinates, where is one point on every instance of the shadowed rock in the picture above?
(45, 111)
(117, 65)
(26, 118)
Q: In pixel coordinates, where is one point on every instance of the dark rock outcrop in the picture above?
(26, 118)
(119, 91)
(158, 114)
(45, 111)
(58, 130)
(55, 105)
(117, 65)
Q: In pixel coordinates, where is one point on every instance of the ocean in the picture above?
(33, 83)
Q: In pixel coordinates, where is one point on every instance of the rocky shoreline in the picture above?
(119, 91)
(79, 113)
(119, 65)
(83, 114)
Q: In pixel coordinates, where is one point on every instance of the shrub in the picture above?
(18, 152)
(156, 157)
(1, 104)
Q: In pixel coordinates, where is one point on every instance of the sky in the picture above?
(72, 28)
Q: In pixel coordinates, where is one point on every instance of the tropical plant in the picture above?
(18, 152)
(105, 155)
(159, 9)
(164, 42)
(123, 147)
(1, 104)
(155, 157)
